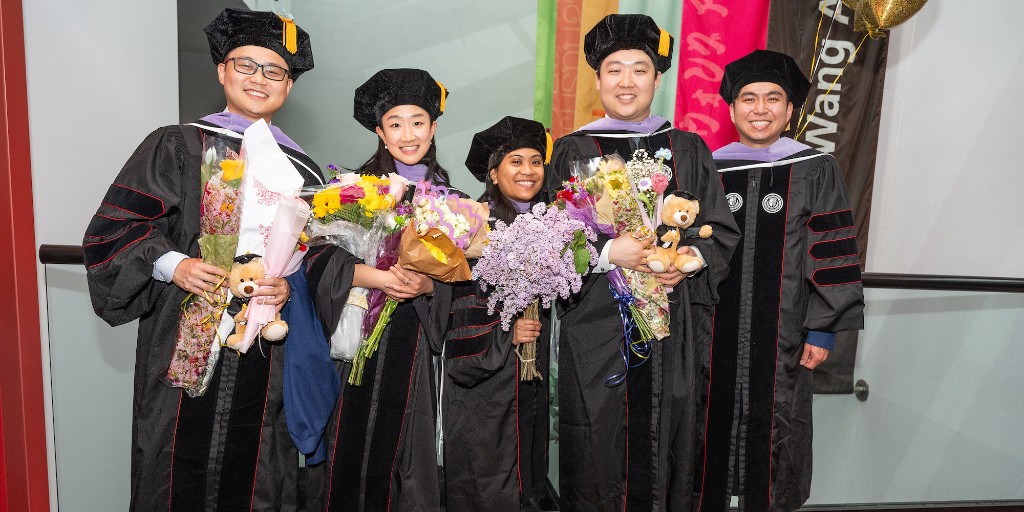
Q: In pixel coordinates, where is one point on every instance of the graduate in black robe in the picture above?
(380, 440)
(495, 424)
(631, 446)
(794, 282)
(227, 449)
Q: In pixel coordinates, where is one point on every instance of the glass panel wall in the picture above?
(941, 422)
(942, 419)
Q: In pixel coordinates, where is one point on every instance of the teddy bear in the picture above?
(677, 212)
(245, 270)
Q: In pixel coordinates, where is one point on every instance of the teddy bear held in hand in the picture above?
(677, 212)
(245, 270)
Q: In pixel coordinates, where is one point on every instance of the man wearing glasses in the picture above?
(209, 431)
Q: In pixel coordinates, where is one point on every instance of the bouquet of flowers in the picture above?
(582, 205)
(436, 230)
(256, 211)
(193, 359)
(440, 229)
(613, 197)
(220, 210)
(629, 198)
(362, 214)
(462, 221)
(540, 257)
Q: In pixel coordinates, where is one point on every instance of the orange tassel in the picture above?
(289, 36)
(550, 147)
(444, 95)
(664, 43)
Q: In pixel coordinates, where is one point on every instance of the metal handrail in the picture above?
(946, 283)
(61, 254)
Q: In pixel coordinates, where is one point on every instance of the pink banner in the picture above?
(715, 33)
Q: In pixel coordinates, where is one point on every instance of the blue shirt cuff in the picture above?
(822, 339)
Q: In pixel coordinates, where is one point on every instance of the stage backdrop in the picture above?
(840, 116)
(716, 33)
(565, 96)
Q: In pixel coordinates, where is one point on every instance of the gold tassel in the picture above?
(289, 36)
(444, 95)
(550, 146)
(664, 43)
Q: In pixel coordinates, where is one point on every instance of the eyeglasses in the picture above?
(247, 66)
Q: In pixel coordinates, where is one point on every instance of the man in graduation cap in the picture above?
(631, 445)
(794, 282)
(228, 448)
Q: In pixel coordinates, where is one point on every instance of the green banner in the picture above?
(544, 83)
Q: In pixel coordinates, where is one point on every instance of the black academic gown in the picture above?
(632, 447)
(495, 426)
(381, 452)
(228, 449)
(794, 270)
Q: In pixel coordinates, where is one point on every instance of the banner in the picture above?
(544, 81)
(575, 101)
(714, 33)
(840, 116)
(562, 72)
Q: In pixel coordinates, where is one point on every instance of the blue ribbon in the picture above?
(641, 348)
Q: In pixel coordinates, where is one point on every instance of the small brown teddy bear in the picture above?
(677, 212)
(245, 270)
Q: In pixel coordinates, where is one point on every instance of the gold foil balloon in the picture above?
(874, 16)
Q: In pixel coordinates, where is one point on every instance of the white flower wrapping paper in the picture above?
(271, 212)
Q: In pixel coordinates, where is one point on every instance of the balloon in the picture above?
(874, 16)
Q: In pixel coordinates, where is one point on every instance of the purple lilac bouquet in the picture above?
(542, 256)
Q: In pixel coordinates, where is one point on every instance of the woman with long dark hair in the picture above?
(380, 440)
(495, 423)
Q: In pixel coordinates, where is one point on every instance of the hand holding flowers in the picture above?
(363, 215)
(540, 257)
(425, 243)
(622, 200)
(195, 355)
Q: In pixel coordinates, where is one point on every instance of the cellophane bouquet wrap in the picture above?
(581, 205)
(541, 256)
(195, 353)
(628, 196)
(271, 223)
(440, 227)
(362, 214)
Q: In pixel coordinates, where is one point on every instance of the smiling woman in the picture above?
(488, 403)
(407, 132)
(380, 441)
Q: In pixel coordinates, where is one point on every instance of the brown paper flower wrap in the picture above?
(434, 255)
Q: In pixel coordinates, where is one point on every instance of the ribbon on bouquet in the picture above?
(633, 322)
